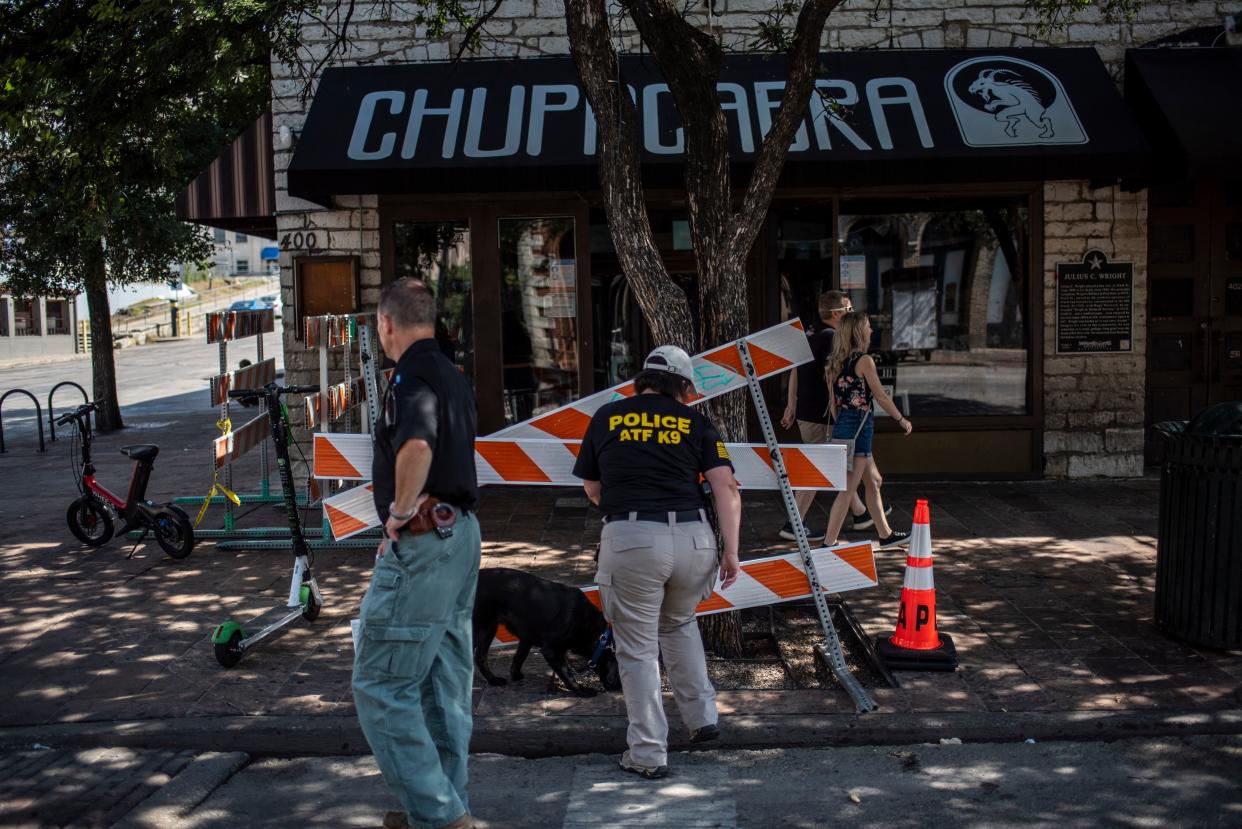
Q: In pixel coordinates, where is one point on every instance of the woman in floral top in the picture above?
(855, 385)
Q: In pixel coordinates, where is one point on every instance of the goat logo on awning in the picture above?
(1006, 102)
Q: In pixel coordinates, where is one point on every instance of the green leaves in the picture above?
(1057, 14)
(108, 108)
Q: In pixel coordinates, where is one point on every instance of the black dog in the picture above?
(555, 618)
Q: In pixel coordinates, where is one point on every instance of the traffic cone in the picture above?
(916, 645)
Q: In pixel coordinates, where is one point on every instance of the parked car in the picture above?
(249, 305)
(273, 301)
(179, 293)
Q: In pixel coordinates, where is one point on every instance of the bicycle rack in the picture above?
(51, 418)
(38, 416)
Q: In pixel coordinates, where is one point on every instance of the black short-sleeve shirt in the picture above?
(647, 452)
(430, 399)
(812, 402)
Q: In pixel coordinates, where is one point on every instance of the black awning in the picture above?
(237, 191)
(1189, 102)
(912, 117)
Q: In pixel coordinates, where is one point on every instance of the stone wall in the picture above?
(1094, 403)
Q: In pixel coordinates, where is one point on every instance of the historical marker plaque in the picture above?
(1095, 305)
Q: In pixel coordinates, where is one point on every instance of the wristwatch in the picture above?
(400, 516)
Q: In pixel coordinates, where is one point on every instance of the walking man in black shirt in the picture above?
(414, 666)
(808, 406)
(640, 462)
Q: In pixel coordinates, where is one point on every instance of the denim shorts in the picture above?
(847, 425)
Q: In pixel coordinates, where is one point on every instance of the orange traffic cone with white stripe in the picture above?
(916, 645)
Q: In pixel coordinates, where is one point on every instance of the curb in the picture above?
(534, 737)
(169, 806)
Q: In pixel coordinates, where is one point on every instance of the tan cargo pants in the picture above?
(651, 576)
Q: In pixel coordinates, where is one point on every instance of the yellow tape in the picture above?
(217, 488)
(224, 425)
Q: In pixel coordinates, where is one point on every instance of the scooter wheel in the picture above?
(89, 521)
(173, 531)
(310, 607)
(229, 653)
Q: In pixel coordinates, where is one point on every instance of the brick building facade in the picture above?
(1075, 415)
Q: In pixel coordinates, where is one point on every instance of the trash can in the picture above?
(1199, 552)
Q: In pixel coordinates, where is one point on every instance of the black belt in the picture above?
(685, 516)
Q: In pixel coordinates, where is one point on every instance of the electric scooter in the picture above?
(90, 517)
(231, 639)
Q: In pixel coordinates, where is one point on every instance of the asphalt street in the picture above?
(1155, 782)
(157, 375)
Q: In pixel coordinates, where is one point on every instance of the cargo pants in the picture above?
(414, 669)
(651, 577)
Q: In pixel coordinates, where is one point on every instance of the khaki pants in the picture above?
(651, 577)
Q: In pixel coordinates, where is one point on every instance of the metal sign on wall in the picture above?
(1095, 305)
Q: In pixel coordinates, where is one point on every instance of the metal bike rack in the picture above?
(51, 417)
(38, 416)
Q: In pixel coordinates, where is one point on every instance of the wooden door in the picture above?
(1194, 302)
(1224, 334)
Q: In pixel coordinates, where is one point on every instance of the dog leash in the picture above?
(605, 639)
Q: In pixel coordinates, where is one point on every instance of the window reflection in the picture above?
(438, 253)
(539, 315)
(944, 284)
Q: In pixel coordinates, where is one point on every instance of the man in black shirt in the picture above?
(641, 461)
(808, 406)
(414, 667)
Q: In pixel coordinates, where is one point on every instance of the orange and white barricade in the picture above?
(550, 463)
(719, 370)
(776, 579)
(251, 377)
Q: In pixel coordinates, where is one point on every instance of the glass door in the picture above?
(438, 253)
(540, 329)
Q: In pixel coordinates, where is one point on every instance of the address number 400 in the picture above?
(299, 240)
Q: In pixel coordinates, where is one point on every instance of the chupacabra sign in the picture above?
(514, 124)
(1001, 101)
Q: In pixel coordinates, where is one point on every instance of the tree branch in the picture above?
(473, 30)
(663, 304)
(803, 56)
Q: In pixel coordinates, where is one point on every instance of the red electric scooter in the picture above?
(91, 516)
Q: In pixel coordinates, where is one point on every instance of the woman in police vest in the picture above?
(641, 461)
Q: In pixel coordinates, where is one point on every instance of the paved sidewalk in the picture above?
(1153, 782)
(1046, 588)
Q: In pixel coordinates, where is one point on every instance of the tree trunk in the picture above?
(663, 303)
(103, 361)
(690, 61)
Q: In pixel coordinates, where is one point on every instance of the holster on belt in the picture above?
(434, 514)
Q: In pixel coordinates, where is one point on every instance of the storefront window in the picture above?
(944, 282)
(539, 319)
(4, 316)
(438, 253)
(803, 242)
(26, 317)
(57, 311)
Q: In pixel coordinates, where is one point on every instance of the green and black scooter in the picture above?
(232, 640)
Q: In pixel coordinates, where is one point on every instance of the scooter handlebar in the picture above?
(81, 411)
(253, 393)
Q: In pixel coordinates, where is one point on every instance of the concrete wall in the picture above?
(1093, 404)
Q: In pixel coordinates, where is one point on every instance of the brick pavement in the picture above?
(1045, 586)
(89, 788)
